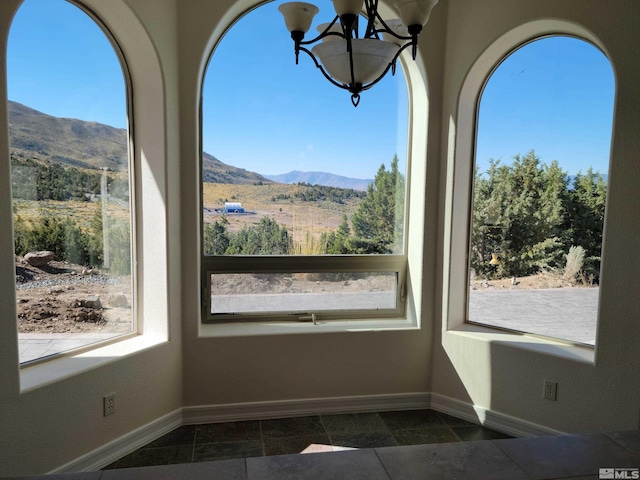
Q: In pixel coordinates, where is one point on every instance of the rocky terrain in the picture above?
(59, 297)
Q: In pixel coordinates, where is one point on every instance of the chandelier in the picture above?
(347, 60)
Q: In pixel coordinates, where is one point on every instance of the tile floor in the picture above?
(407, 445)
(224, 441)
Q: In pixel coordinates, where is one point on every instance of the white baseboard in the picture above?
(110, 452)
(299, 408)
(127, 443)
(501, 422)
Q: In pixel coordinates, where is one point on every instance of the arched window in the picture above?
(70, 174)
(303, 194)
(540, 185)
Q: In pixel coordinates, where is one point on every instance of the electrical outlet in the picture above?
(109, 404)
(550, 390)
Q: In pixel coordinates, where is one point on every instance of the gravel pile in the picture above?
(70, 280)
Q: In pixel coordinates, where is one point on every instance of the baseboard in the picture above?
(299, 408)
(109, 453)
(118, 448)
(495, 420)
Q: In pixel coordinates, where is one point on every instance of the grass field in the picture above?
(31, 211)
(302, 219)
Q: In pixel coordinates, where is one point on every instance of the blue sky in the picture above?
(60, 62)
(276, 116)
(263, 113)
(554, 96)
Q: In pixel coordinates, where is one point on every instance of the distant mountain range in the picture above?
(80, 144)
(92, 145)
(321, 178)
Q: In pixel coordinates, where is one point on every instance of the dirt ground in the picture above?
(266, 283)
(61, 298)
(539, 281)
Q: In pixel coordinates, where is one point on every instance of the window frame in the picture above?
(460, 193)
(136, 329)
(249, 264)
(407, 265)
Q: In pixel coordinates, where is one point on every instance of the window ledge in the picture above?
(544, 346)
(40, 375)
(245, 329)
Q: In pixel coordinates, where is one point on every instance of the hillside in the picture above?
(321, 178)
(215, 171)
(64, 140)
(92, 145)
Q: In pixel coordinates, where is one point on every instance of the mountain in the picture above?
(215, 171)
(64, 140)
(321, 178)
(92, 145)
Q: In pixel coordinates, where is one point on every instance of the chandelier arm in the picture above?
(400, 50)
(321, 68)
(386, 29)
(372, 16)
(324, 33)
(372, 30)
(356, 25)
(413, 30)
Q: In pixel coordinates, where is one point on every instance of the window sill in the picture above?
(543, 346)
(40, 375)
(245, 329)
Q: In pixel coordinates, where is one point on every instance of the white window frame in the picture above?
(135, 307)
(407, 265)
(459, 197)
(306, 264)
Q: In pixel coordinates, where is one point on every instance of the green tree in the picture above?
(519, 213)
(216, 237)
(585, 222)
(120, 247)
(378, 223)
(265, 238)
(96, 237)
(336, 243)
(63, 237)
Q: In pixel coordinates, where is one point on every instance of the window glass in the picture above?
(542, 157)
(289, 165)
(299, 293)
(70, 181)
(292, 169)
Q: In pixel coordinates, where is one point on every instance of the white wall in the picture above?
(54, 423)
(220, 371)
(167, 43)
(502, 372)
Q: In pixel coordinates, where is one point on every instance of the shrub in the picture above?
(71, 243)
(120, 248)
(63, 237)
(575, 261)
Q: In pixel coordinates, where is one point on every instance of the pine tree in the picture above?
(216, 237)
(519, 212)
(378, 223)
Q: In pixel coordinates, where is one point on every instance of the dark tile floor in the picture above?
(223, 441)
(252, 451)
